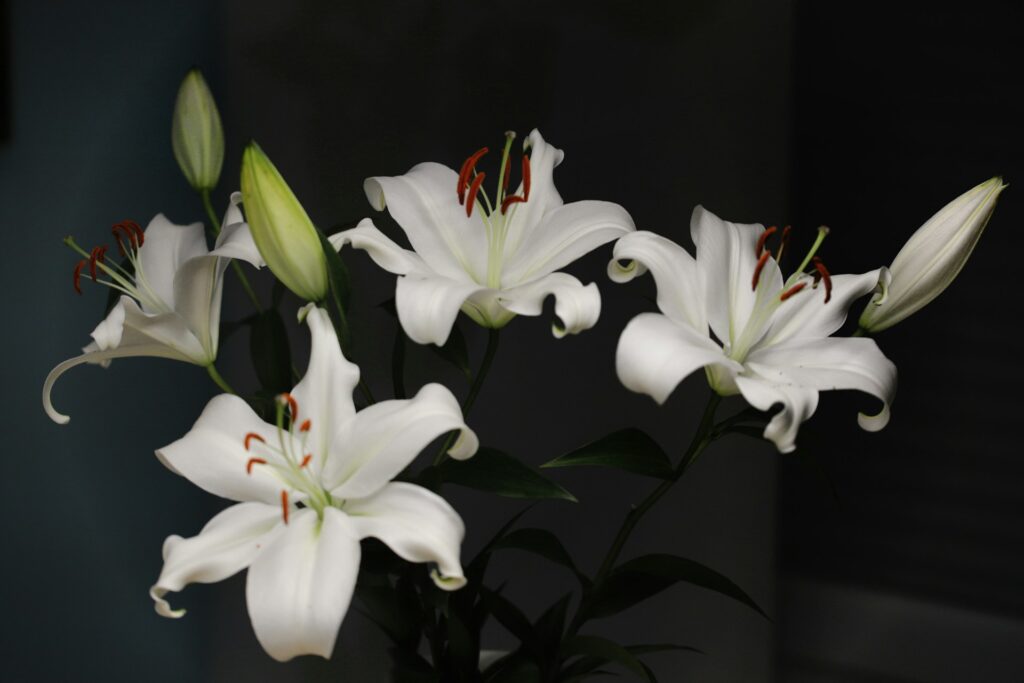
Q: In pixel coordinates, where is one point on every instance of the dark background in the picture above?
(896, 556)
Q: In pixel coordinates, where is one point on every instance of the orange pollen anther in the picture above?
(305, 460)
(304, 427)
(97, 255)
(473, 189)
(253, 461)
(284, 506)
(526, 178)
(509, 201)
(140, 236)
(822, 272)
(121, 228)
(792, 290)
(293, 405)
(783, 242)
(764, 238)
(253, 435)
(758, 268)
(467, 167)
(78, 275)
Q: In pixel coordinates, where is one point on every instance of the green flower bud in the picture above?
(196, 133)
(933, 256)
(281, 228)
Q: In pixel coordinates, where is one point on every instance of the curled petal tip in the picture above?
(447, 583)
(162, 607)
(874, 423)
(465, 446)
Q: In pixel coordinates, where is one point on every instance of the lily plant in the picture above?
(492, 257)
(170, 293)
(731, 311)
(308, 488)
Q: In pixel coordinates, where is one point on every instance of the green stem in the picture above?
(706, 433)
(474, 389)
(860, 332)
(235, 265)
(218, 379)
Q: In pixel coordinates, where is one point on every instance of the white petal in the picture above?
(805, 315)
(726, 258)
(564, 235)
(425, 204)
(524, 218)
(369, 450)
(213, 456)
(324, 395)
(656, 353)
(832, 363)
(428, 305)
(235, 239)
(381, 248)
(167, 329)
(300, 586)
(798, 404)
(419, 525)
(198, 286)
(165, 248)
(577, 306)
(678, 280)
(102, 358)
(227, 544)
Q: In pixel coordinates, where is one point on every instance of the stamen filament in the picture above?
(783, 242)
(822, 234)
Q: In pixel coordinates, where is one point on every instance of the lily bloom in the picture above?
(730, 310)
(491, 257)
(309, 488)
(170, 301)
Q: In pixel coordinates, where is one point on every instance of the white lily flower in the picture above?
(309, 488)
(170, 302)
(492, 260)
(770, 338)
(933, 256)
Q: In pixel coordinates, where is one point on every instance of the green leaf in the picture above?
(462, 646)
(271, 354)
(340, 290)
(550, 627)
(640, 578)
(516, 668)
(409, 667)
(495, 472)
(512, 618)
(543, 543)
(607, 651)
(627, 449)
(454, 351)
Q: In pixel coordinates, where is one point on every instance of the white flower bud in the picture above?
(281, 228)
(933, 256)
(196, 133)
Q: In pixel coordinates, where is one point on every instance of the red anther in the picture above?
(822, 272)
(526, 178)
(119, 228)
(95, 255)
(78, 275)
(134, 227)
(508, 174)
(284, 506)
(467, 167)
(253, 435)
(304, 427)
(253, 461)
(473, 189)
(509, 201)
(305, 460)
(762, 239)
(758, 268)
(293, 405)
(792, 290)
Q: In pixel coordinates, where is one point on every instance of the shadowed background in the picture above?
(763, 112)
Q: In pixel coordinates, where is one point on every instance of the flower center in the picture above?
(496, 215)
(128, 277)
(811, 272)
(288, 458)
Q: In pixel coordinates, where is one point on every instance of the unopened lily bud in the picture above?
(933, 256)
(281, 228)
(196, 133)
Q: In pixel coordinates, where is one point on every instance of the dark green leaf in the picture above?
(409, 667)
(512, 618)
(495, 472)
(606, 650)
(454, 351)
(462, 646)
(516, 668)
(550, 627)
(544, 543)
(340, 290)
(627, 449)
(642, 577)
(271, 354)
